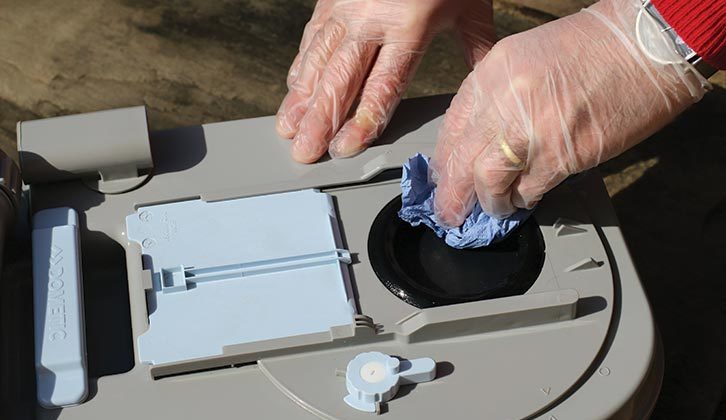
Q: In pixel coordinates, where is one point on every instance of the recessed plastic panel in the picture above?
(240, 271)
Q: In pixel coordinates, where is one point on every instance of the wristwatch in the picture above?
(680, 46)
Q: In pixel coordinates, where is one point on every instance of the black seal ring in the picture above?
(422, 270)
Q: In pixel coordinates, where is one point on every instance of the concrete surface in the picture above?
(192, 61)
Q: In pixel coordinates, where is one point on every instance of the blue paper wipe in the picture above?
(479, 229)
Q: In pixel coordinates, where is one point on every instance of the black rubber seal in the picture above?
(422, 270)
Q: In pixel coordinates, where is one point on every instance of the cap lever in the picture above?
(373, 378)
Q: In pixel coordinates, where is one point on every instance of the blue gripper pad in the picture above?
(240, 271)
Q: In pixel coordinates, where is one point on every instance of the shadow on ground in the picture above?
(670, 197)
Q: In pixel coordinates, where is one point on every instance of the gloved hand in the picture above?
(554, 101)
(366, 51)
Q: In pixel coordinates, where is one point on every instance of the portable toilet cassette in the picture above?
(200, 273)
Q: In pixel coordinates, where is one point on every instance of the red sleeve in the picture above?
(701, 24)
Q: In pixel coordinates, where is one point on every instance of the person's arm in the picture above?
(554, 101)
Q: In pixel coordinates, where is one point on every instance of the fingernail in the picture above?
(292, 110)
(447, 221)
(364, 119)
(354, 137)
(304, 150)
(449, 225)
(342, 148)
(283, 127)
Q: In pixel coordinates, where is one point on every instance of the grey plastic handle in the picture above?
(110, 148)
(60, 342)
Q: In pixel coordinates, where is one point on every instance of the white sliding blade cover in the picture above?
(240, 271)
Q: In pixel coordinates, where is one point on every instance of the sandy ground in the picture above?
(194, 61)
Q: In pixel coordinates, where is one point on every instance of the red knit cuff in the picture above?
(701, 24)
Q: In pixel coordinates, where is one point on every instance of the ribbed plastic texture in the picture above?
(701, 24)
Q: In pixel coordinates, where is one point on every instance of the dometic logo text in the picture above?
(56, 316)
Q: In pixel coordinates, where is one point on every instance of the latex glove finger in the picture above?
(333, 98)
(313, 65)
(388, 79)
(455, 196)
(451, 131)
(457, 147)
(497, 130)
(322, 12)
(495, 170)
(528, 189)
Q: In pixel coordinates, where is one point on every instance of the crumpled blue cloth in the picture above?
(479, 229)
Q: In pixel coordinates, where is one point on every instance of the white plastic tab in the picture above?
(373, 378)
(60, 348)
(239, 271)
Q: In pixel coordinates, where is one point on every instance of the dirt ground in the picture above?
(192, 61)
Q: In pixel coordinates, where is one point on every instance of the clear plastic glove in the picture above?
(554, 101)
(366, 51)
